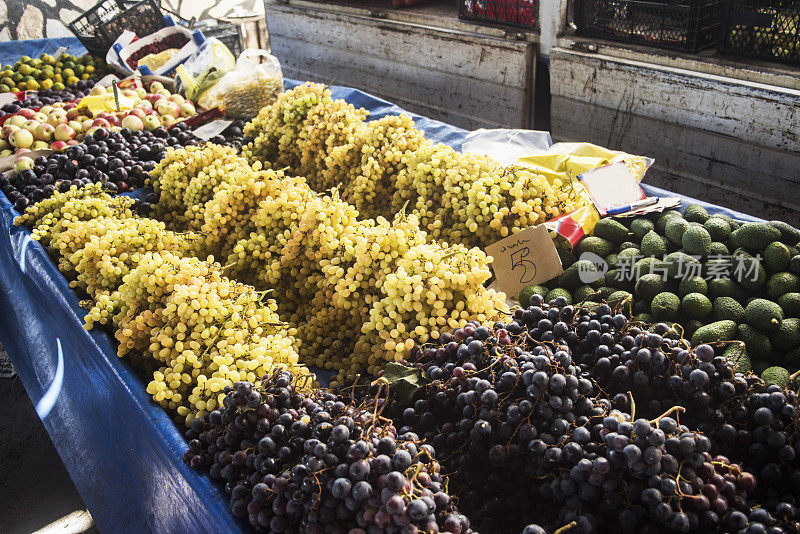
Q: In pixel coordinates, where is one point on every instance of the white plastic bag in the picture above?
(253, 85)
(204, 69)
(506, 146)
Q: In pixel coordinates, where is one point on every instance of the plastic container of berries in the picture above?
(173, 36)
(100, 25)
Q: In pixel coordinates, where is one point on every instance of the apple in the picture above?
(155, 86)
(88, 123)
(168, 107)
(187, 109)
(46, 109)
(144, 105)
(137, 112)
(168, 120)
(97, 90)
(8, 129)
(73, 114)
(178, 99)
(26, 112)
(23, 164)
(153, 98)
(101, 123)
(64, 133)
(57, 117)
(38, 117)
(40, 145)
(16, 120)
(72, 142)
(44, 132)
(75, 125)
(58, 145)
(21, 151)
(151, 122)
(69, 105)
(5, 153)
(164, 92)
(4, 144)
(133, 122)
(141, 92)
(21, 139)
(31, 125)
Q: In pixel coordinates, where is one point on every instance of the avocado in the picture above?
(756, 236)
(737, 355)
(566, 257)
(776, 375)
(525, 294)
(696, 241)
(640, 226)
(628, 257)
(757, 343)
(662, 219)
(597, 245)
(695, 213)
(787, 337)
(718, 228)
(674, 229)
(643, 318)
(649, 266)
(792, 359)
(763, 314)
(692, 284)
(759, 366)
(583, 292)
(620, 299)
(604, 292)
(790, 304)
(716, 331)
(558, 292)
(718, 249)
(749, 272)
(649, 285)
(628, 244)
(665, 306)
(571, 277)
(691, 326)
(725, 287)
(611, 230)
(794, 264)
(696, 306)
(777, 257)
(727, 308)
(679, 264)
(789, 234)
(653, 245)
(781, 283)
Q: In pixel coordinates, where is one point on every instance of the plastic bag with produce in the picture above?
(243, 92)
(204, 69)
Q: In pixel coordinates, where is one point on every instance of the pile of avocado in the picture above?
(714, 278)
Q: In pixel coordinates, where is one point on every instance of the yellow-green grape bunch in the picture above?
(206, 330)
(187, 178)
(387, 142)
(351, 287)
(435, 287)
(51, 215)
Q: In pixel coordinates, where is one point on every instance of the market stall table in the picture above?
(121, 449)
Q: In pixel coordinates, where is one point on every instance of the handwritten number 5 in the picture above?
(528, 267)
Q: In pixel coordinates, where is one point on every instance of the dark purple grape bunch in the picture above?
(308, 462)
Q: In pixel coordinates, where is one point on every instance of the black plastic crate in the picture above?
(229, 34)
(99, 26)
(688, 25)
(520, 13)
(764, 29)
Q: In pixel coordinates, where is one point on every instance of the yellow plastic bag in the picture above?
(204, 69)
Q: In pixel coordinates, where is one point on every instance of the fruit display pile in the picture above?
(350, 287)
(47, 97)
(384, 165)
(718, 279)
(120, 161)
(46, 72)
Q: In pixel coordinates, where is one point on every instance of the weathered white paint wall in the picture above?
(462, 77)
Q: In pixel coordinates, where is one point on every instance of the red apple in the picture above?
(168, 120)
(73, 113)
(25, 112)
(137, 112)
(167, 107)
(70, 105)
(72, 142)
(133, 122)
(58, 145)
(101, 123)
(88, 123)
(21, 150)
(144, 105)
(154, 98)
(64, 133)
(113, 120)
(44, 132)
(57, 117)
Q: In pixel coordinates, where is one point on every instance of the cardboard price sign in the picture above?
(523, 259)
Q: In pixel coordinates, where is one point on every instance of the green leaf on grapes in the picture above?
(404, 381)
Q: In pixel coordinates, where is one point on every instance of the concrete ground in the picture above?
(36, 493)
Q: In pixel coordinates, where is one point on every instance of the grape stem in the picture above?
(665, 414)
(566, 527)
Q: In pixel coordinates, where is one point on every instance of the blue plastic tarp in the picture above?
(11, 51)
(121, 450)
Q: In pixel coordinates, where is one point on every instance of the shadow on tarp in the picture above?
(121, 450)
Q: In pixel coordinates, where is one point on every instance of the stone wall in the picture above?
(34, 19)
